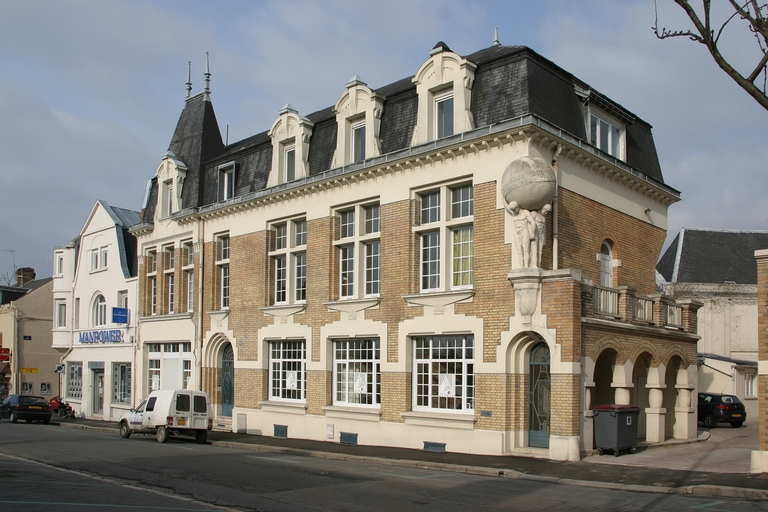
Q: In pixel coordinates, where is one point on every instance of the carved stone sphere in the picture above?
(530, 181)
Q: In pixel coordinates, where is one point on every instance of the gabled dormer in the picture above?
(444, 85)
(290, 136)
(358, 117)
(171, 175)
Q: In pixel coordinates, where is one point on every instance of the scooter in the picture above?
(65, 410)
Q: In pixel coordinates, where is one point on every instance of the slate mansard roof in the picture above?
(712, 256)
(510, 82)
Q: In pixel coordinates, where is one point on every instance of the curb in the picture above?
(694, 490)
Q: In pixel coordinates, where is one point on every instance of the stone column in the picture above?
(759, 462)
(685, 426)
(655, 414)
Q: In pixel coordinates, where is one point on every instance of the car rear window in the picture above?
(730, 399)
(182, 403)
(32, 400)
(200, 404)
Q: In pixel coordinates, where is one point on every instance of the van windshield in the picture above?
(182, 403)
(200, 405)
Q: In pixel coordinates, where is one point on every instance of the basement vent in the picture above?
(348, 438)
(429, 446)
(281, 431)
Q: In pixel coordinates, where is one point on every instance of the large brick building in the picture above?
(461, 260)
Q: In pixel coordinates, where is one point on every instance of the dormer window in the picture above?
(606, 133)
(226, 181)
(169, 198)
(444, 115)
(444, 85)
(170, 177)
(358, 116)
(290, 136)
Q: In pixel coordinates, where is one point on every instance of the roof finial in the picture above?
(207, 78)
(496, 37)
(189, 78)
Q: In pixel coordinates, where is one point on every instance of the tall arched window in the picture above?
(606, 265)
(99, 311)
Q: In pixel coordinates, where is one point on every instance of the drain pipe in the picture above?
(555, 259)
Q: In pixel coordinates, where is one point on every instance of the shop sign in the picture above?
(28, 370)
(119, 315)
(111, 336)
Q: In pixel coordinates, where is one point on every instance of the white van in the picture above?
(170, 412)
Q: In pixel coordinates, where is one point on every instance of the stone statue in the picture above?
(524, 231)
(540, 233)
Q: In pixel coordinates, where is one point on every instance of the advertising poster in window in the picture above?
(447, 386)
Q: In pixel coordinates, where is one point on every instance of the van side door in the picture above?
(146, 419)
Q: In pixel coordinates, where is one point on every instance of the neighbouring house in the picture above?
(717, 268)
(94, 298)
(460, 260)
(28, 362)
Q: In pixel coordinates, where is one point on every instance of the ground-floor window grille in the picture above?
(121, 383)
(357, 372)
(444, 372)
(288, 370)
(74, 380)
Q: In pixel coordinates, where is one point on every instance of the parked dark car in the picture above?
(714, 409)
(25, 407)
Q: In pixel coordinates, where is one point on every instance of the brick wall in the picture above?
(762, 349)
(561, 302)
(564, 403)
(395, 395)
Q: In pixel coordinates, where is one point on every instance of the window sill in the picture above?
(219, 316)
(462, 421)
(352, 306)
(438, 300)
(287, 407)
(350, 412)
(284, 311)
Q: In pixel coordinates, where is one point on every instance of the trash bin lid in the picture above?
(615, 407)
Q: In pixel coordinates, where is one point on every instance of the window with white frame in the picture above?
(59, 264)
(445, 266)
(122, 299)
(358, 141)
(444, 373)
(170, 277)
(606, 264)
(444, 114)
(188, 295)
(168, 210)
(169, 365)
(289, 163)
(287, 370)
(151, 261)
(606, 133)
(358, 248)
(289, 261)
(153, 295)
(121, 383)
(99, 259)
(61, 313)
(222, 264)
(357, 372)
(104, 253)
(74, 380)
(153, 374)
(99, 311)
(187, 374)
(750, 387)
(226, 181)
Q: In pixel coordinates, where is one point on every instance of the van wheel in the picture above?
(162, 434)
(201, 436)
(125, 432)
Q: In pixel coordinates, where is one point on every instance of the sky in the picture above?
(90, 91)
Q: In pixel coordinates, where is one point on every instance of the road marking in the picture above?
(277, 459)
(708, 506)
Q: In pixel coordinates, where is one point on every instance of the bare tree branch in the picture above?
(754, 14)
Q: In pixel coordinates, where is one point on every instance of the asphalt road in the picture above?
(45, 467)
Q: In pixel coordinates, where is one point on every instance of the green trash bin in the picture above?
(615, 428)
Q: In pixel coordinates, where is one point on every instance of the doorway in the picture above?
(98, 391)
(539, 395)
(227, 380)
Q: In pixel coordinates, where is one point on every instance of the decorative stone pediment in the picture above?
(358, 104)
(438, 300)
(289, 130)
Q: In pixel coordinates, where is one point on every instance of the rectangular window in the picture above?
(287, 370)
(224, 269)
(358, 142)
(444, 115)
(347, 224)
(151, 262)
(281, 236)
(462, 257)
(154, 374)
(444, 373)
(290, 163)
(462, 202)
(750, 389)
(61, 314)
(605, 135)
(223, 264)
(372, 219)
(190, 278)
(153, 291)
(121, 383)
(171, 292)
(103, 257)
(74, 380)
(59, 264)
(171, 252)
(226, 182)
(430, 261)
(281, 282)
(301, 276)
(187, 375)
(347, 261)
(189, 253)
(357, 372)
(430, 207)
(122, 299)
(169, 200)
(223, 248)
(95, 260)
(372, 266)
(300, 232)
(76, 319)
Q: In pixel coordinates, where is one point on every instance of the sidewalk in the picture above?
(609, 476)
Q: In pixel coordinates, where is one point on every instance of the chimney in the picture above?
(24, 275)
